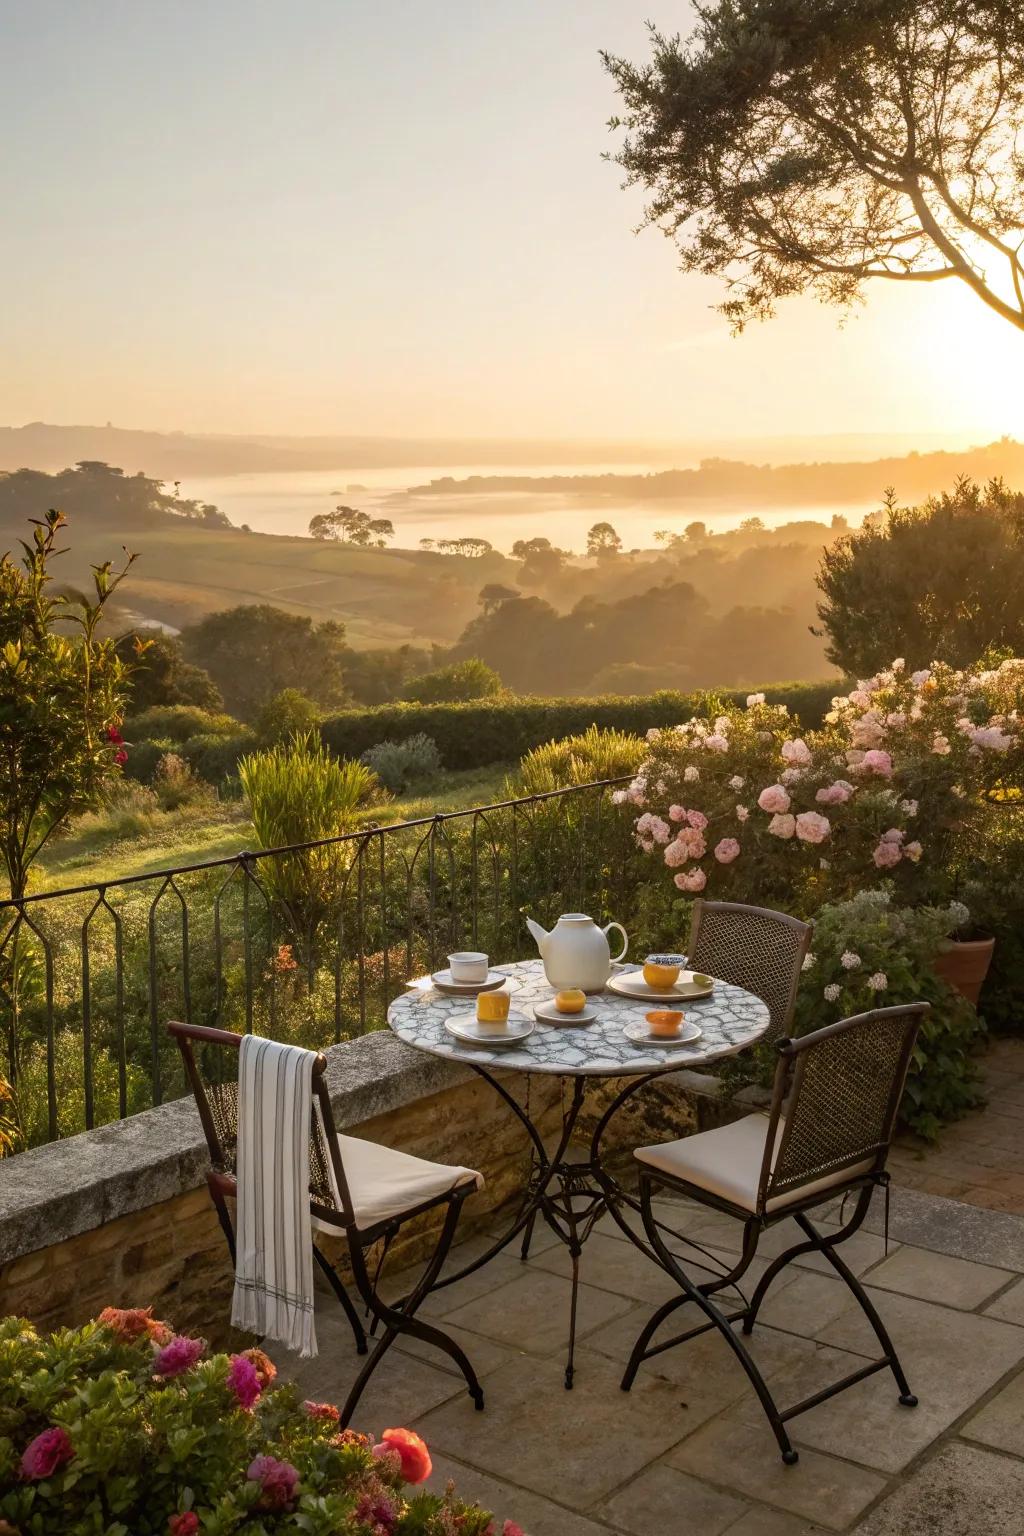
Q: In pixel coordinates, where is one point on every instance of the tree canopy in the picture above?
(794, 145)
(255, 651)
(941, 582)
(348, 526)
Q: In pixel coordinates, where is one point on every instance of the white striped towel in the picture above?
(273, 1294)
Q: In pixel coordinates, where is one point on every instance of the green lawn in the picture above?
(113, 845)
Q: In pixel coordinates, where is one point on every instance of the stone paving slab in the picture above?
(688, 1449)
(963, 1491)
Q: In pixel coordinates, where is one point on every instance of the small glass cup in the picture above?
(492, 1009)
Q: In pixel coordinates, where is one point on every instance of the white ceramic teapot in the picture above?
(576, 952)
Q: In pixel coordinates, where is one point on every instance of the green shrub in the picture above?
(216, 758)
(289, 713)
(457, 683)
(299, 793)
(595, 755)
(179, 722)
(400, 765)
(175, 785)
(504, 729)
(30, 1098)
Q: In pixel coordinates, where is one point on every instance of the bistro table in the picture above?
(572, 1195)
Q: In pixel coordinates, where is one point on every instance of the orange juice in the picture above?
(492, 1008)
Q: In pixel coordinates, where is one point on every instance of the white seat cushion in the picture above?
(383, 1182)
(727, 1163)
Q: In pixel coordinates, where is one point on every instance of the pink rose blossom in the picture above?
(178, 1356)
(43, 1455)
(716, 742)
(675, 855)
(618, 797)
(867, 731)
(727, 850)
(896, 720)
(754, 698)
(940, 745)
(693, 842)
(992, 738)
(774, 798)
(918, 678)
(511, 1529)
(782, 826)
(796, 753)
(742, 813)
(878, 763)
(697, 819)
(913, 851)
(278, 1480)
(691, 880)
(676, 813)
(886, 855)
(244, 1381)
(860, 697)
(893, 835)
(812, 828)
(834, 794)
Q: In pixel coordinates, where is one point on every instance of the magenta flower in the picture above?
(178, 1356)
(278, 1481)
(244, 1381)
(43, 1455)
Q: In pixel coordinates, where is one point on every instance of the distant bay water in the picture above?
(284, 503)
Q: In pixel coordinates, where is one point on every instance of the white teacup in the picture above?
(468, 965)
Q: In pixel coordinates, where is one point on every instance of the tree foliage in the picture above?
(254, 651)
(603, 541)
(456, 683)
(940, 582)
(794, 145)
(161, 675)
(347, 526)
(62, 691)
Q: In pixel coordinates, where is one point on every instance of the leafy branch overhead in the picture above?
(793, 145)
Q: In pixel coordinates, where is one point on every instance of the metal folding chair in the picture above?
(834, 1105)
(358, 1190)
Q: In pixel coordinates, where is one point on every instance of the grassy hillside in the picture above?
(189, 566)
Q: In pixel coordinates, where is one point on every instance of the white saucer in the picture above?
(640, 1034)
(551, 1015)
(442, 980)
(632, 984)
(467, 1027)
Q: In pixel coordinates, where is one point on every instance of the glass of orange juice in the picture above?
(492, 1008)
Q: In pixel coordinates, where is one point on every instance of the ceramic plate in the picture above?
(467, 1027)
(640, 1034)
(632, 984)
(550, 1015)
(443, 982)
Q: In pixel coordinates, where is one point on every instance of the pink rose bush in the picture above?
(745, 804)
(106, 1417)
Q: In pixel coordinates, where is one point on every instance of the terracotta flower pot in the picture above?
(965, 965)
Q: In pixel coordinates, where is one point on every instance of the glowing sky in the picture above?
(391, 216)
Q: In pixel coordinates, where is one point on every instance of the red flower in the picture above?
(325, 1411)
(244, 1381)
(265, 1368)
(113, 734)
(131, 1323)
(411, 1452)
(43, 1455)
(511, 1529)
(278, 1481)
(185, 1524)
(120, 757)
(178, 1356)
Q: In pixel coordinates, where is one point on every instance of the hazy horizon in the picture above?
(395, 221)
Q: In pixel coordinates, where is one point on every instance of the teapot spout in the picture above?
(540, 935)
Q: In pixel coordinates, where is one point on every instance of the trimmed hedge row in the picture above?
(501, 730)
(480, 733)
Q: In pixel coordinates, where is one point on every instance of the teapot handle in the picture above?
(625, 940)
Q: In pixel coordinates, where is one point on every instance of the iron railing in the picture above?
(307, 943)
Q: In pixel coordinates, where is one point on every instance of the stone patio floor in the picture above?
(979, 1159)
(688, 1450)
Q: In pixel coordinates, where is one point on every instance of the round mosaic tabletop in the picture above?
(729, 1019)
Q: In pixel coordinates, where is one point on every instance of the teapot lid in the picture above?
(575, 917)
